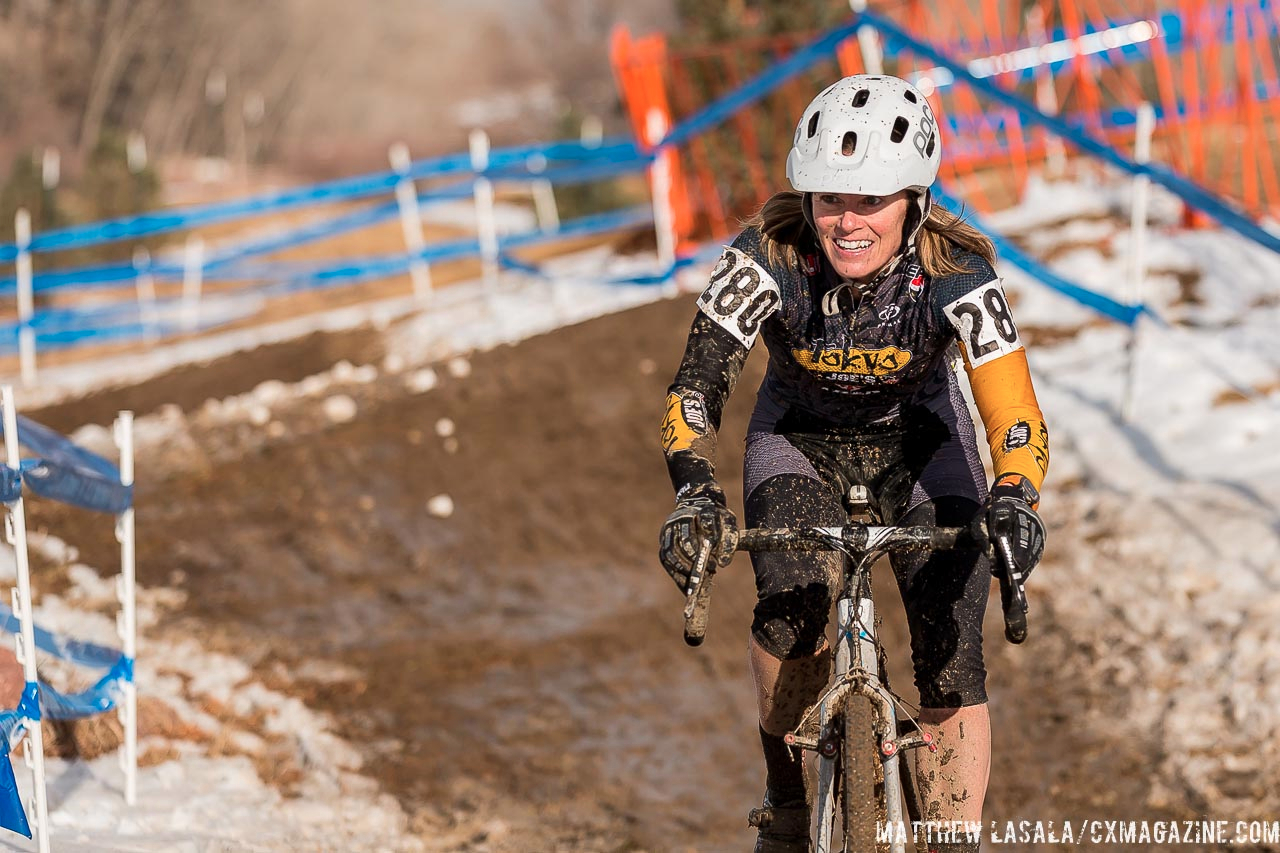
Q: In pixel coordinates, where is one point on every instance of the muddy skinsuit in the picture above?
(860, 389)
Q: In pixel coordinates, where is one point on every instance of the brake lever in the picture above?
(1013, 598)
(698, 597)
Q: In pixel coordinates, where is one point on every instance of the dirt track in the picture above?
(525, 686)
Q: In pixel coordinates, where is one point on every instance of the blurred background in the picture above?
(395, 292)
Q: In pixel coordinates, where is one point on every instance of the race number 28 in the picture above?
(985, 324)
(740, 296)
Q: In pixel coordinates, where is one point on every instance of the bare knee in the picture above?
(785, 689)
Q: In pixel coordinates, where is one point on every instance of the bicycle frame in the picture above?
(857, 649)
(857, 670)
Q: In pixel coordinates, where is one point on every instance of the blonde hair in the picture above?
(782, 224)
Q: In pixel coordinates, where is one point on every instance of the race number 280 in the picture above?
(985, 324)
(740, 296)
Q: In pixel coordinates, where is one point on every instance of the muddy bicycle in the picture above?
(859, 727)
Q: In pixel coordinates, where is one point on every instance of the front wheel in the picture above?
(862, 775)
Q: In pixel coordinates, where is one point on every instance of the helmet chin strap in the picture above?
(923, 203)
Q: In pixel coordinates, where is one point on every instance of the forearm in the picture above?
(1015, 426)
(706, 377)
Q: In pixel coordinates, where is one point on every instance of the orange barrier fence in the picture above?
(1209, 69)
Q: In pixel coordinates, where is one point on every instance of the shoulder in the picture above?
(746, 261)
(744, 289)
(753, 245)
(951, 286)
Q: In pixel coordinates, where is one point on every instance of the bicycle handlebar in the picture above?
(859, 537)
(862, 538)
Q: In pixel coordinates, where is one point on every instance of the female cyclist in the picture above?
(860, 287)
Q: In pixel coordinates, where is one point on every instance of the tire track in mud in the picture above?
(524, 683)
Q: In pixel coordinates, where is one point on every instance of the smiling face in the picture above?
(860, 233)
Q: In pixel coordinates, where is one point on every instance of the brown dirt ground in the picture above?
(525, 686)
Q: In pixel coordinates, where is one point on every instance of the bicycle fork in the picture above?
(857, 670)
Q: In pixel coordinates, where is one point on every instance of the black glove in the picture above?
(700, 516)
(1011, 518)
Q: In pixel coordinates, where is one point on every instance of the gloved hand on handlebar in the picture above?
(1010, 517)
(701, 515)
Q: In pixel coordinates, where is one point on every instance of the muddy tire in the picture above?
(862, 778)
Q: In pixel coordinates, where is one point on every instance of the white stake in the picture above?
(135, 151)
(660, 188)
(26, 298)
(411, 221)
(592, 131)
(868, 42)
(1046, 94)
(16, 532)
(146, 289)
(544, 203)
(128, 623)
(486, 223)
(50, 168)
(1138, 251)
(192, 281)
(544, 196)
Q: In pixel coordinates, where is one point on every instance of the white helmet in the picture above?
(867, 135)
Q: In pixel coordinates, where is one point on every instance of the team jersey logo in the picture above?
(740, 296)
(1018, 435)
(694, 410)
(685, 421)
(838, 363)
(916, 286)
(984, 324)
(1025, 444)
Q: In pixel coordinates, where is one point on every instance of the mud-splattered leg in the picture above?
(952, 782)
(785, 689)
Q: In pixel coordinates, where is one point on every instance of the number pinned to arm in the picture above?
(742, 294)
(984, 324)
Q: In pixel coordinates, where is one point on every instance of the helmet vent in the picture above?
(899, 131)
(849, 144)
(860, 99)
(928, 149)
(910, 96)
(813, 123)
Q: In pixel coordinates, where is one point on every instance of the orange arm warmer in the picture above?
(1015, 427)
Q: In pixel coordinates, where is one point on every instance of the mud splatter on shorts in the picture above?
(920, 468)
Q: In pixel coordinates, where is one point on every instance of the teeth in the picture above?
(852, 245)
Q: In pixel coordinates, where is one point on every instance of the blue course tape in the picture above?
(363, 186)
(704, 253)
(311, 274)
(69, 473)
(114, 274)
(102, 696)
(58, 449)
(72, 651)
(1103, 304)
(309, 233)
(64, 338)
(81, 278)
(12, 815)
(449, 250)
(1193, 194)
(1168, 29)
(650, 278)
(40, 701)
(759, 86)
(76, 486)
(10, 484)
